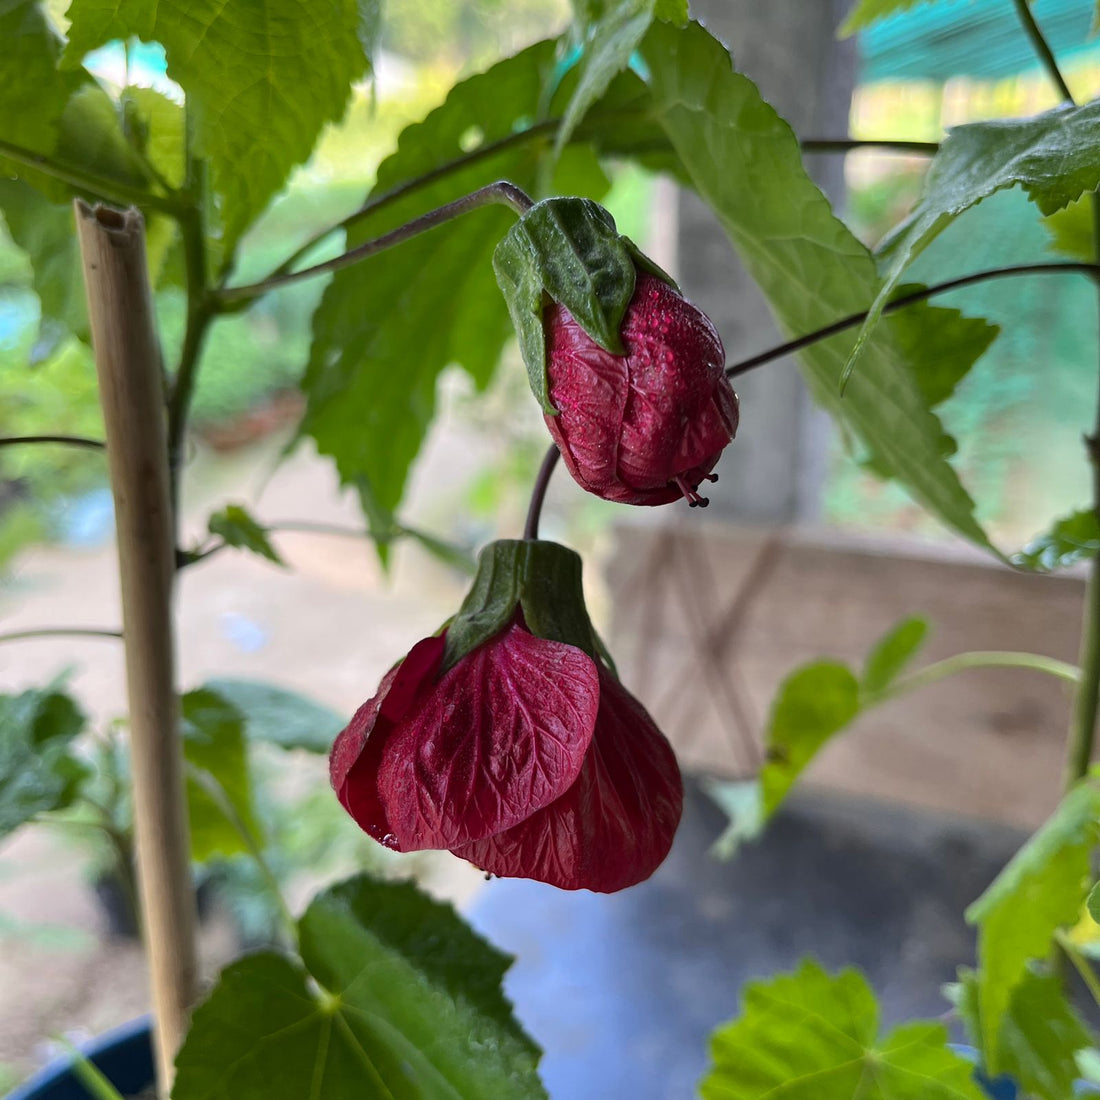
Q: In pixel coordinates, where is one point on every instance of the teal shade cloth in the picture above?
(975, 38)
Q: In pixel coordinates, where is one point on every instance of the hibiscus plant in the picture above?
(507, 737)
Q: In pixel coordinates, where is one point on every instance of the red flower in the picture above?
(526, 758)
(647, 427)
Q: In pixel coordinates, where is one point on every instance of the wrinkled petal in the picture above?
(502, 734)
(353, 762)
(630, 426)
(615, 825)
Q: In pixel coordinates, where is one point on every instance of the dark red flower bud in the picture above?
(646, 427)
(525, 755)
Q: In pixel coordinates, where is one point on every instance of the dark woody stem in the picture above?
(70, 440)
(854, 319)
(502, 192)
(538, 493)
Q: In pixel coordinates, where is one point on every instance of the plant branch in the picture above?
(1042, 48)
(87, 184)
(59, 632)
(71, 440)
(538, 493)
(1081, 964)
(963, 662)
(500, 192)
(846, 145)
(854, 319)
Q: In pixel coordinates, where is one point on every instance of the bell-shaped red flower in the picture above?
(646, 427)
(520, 753)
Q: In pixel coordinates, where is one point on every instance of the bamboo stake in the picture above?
(112, 245)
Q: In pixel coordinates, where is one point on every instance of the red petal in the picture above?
(615, 825)
(353, 763)
(502, 735)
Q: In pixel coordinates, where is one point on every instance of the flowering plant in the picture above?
(506, 738)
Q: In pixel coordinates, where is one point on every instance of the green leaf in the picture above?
(1054, 156)
(866, 12)
(612, 38)
(1093, 902)
(433, 301)
(239, 529)
(740, 800)
(891, 654)
(814, 703)
(409, 1007)
(33, 95)
(810, 1036)
(1071, 231)
(1040, 1036)
(214, 746)
(745, 162)
(1073, 538)
(569, 249)
(1041, 890)
(38, 771)
(281, 717)
(261, 80)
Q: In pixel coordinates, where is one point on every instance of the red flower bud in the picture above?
(649, 426)
(526, 758)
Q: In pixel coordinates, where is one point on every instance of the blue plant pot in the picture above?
(124, 1056)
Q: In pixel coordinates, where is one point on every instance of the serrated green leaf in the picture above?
(811, 1036)
(387, 328)
(891, 654)
(410, 1008)
(671, 11)
(866, 12)
(745, 162)
(278, 716)
(1054, 156)
(239, 529)
(213, 743)
(1071, 230)
(613, 36)
(261, 80)
(38, 772)
(1041, 890)
(814, 703)
(1040, 1036)
(1093, 902)
(1073, 538)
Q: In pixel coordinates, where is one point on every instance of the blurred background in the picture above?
(803, 552)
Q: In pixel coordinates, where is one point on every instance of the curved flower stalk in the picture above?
(507, 740)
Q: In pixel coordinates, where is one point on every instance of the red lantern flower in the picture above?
(646, 427)
(522, 754)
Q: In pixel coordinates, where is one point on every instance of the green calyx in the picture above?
(567, 250)
(541, 579)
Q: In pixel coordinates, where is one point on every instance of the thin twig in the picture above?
(847, 145)
(1042, 48)
(538, 492)
(854, 319)
(88, 184)
(500, 192)
(59, 632)
(71, 440)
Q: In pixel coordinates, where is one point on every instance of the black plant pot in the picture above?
(124, 1056)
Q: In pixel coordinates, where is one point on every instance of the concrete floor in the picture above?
(622, 990)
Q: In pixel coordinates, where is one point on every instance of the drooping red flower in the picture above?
(525, 756)
(646, 427)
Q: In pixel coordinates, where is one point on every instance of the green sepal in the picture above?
(566, 249)
(541, 579)
(643, 263)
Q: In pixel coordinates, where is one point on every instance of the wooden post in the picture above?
(128, 363)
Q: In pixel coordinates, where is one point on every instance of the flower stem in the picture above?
(71, 440)
(854, 319)
(500, 192)
(538, 493)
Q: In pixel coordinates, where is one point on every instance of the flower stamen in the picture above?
(691, 495)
